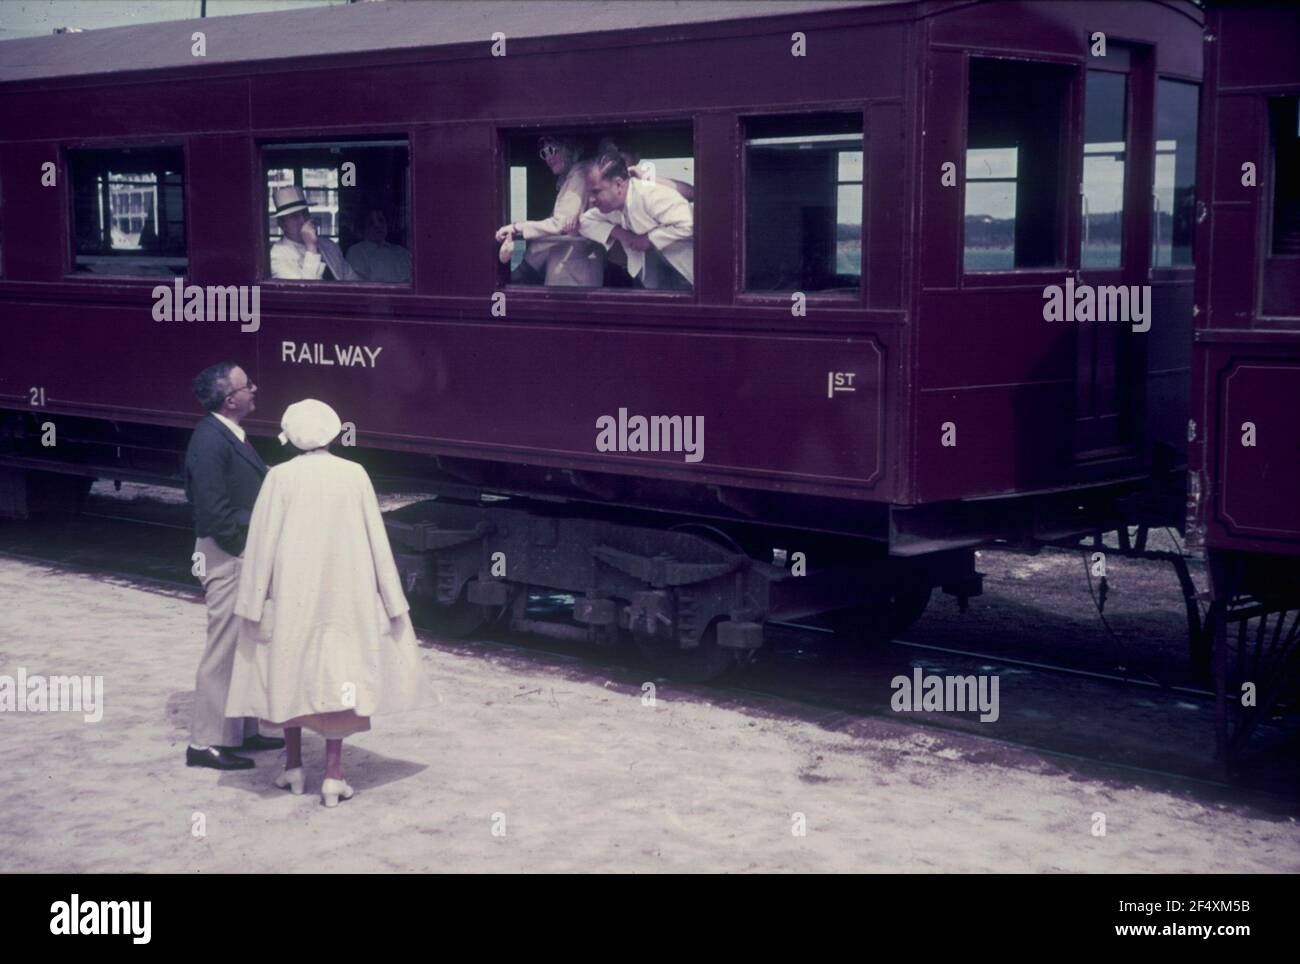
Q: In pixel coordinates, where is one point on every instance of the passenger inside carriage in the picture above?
(652, 221)
(647, 171)
(556, 254)
(543, 244)
(302, 253)
(374, 258)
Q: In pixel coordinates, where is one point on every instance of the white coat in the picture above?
(327, 625)
(655, 210)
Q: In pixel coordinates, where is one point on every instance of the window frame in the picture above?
(586, 126)
(262, 273)
(1264, 244)
(741, 294)
(69, 230)
(1070, 171)
(1175, 272)
(1134, 55)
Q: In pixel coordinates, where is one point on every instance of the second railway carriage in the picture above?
(1244, 491)
(937, 290)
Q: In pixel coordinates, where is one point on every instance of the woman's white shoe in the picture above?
(292, 779)
(332, 790)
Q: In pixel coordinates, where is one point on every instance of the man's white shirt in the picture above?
(291, 259)
(239, 432)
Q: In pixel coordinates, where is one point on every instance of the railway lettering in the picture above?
(658, 433)
(178, 302)
(346, 356)
(1085, 302)
(945, 694)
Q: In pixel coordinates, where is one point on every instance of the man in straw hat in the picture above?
(302, 254)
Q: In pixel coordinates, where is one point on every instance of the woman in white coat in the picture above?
(328, 641)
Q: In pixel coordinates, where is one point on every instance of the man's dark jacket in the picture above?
(222, 478)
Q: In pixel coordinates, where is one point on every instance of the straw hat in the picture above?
(289, 200)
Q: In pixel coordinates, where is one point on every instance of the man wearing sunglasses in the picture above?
(556, 255)
(223, 474)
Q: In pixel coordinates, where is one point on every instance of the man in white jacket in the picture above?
(652, 221)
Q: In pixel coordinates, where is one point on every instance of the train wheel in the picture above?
(906, 607)
(882, 621)
(29, 494)
(702, 664)
(459, 620)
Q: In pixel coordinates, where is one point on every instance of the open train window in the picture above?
(605, 207)
(1280, 276)
(803, 203)
(1175, 173)
(1284, 116)
(1015, 165)
(128, 211)
(338, 210)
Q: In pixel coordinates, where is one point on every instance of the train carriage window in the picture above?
(600, 208)
(128, 211)
(1014, 165)
(1104, 133)
(803, 203)
(1175, 176)
(338, 210)
(1284, 115)
(1279, 288)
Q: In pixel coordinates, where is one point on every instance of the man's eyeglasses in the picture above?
(548, 151)
(250, 386)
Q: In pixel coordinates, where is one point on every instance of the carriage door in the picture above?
(1110, 358)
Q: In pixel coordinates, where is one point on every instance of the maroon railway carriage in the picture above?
(1244, 493)
(883, 196)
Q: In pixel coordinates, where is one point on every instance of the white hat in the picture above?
(309, 424)
(289, 200)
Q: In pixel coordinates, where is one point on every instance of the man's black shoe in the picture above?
(258, 742)
(218, 758)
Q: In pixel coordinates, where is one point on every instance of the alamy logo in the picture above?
(658, 433)
(946, 694)
(53, 694)
(132, 917)
(179, 302)
(1130, 304)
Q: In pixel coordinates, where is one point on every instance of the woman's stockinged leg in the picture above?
(292, 747)
(334, 759)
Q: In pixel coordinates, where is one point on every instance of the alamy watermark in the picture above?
(75, 916)
(1130, 304)
(182, 302)
(53, 694)
(945, 694)
(658, 433)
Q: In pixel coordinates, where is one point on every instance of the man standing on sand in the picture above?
(223, 474)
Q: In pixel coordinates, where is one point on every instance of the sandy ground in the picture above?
(572, 770)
